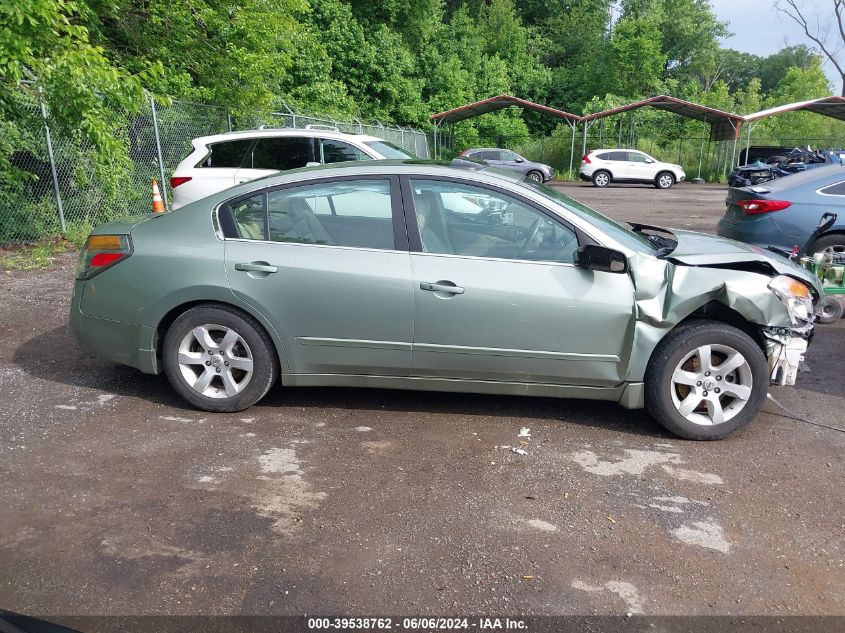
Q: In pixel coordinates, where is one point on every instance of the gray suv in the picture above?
(507, 159)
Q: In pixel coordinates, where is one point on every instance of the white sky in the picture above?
(760, 29)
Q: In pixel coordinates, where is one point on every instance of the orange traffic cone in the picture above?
(158, 203)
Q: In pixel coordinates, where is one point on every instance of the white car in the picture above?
(603, 166)
(224, 160)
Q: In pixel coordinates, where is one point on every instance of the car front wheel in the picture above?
(219, 359)
(601, 179)
(534, 176)
(705, 380)
(664, 180)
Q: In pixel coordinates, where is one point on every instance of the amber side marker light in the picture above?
(101, 252)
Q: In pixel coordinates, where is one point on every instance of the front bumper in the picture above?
(785, 350)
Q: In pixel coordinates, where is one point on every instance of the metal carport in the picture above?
(724, 126)
(500, 102)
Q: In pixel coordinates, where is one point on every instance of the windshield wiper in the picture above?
(664, 251)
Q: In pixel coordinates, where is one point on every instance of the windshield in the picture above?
(618, 232)
(388, 150)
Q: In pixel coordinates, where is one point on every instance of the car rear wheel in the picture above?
(664, 180)
(833, 244)
(601, 178)
(705, 380)
(219, 359)
(534, 176)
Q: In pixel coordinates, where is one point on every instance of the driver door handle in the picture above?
(441, 287)
(257, 267)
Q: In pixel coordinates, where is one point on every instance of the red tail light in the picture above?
(101, 252)
(175, 181)
(586, 159)
(757, 207)
(464, 153)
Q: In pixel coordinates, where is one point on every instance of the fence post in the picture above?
(158, 150)
(53, 172)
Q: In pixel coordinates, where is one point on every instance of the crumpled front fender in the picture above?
(666, 293)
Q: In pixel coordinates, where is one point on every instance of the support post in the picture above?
(53, 172)
(158, 151)
(584, 138)
(572, 126)
(701, 154)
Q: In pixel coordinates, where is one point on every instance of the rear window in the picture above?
(388, 150)
(226, 154)
(280, 153)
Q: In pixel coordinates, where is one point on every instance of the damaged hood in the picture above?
(700, 249)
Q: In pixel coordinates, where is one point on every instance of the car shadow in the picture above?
(608, 416)
(55, 356)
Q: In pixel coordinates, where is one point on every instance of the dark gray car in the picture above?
(508, 159)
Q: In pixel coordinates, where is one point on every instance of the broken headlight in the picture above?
(796, 297)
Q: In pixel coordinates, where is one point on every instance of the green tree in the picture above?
(637, 57)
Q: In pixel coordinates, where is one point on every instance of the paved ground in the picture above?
(117, 499)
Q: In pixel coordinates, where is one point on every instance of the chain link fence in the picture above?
(52, 186)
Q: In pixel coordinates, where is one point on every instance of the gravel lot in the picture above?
(117, 499)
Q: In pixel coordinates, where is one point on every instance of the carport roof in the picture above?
(723, 125)
(828, 106)
(499, 102)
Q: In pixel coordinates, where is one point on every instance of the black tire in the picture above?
(534, 176)
(834, 243)
(664, 180)
(602, 178)
(668, 356)
(830, 310)
(254, 341)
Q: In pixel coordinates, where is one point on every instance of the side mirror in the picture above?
(519, 159)
(649, 161)
(593, 257)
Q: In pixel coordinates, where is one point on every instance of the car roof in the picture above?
(276, 132)
(616, 149)
(482, 173)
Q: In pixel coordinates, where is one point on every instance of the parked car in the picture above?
(223, 160)
(784, 213)
(510, 160)
(359, 274)
(604, 166)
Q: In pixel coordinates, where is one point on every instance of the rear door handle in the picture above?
(449, 288)
(257, 267)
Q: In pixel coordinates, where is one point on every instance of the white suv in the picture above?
(224, 160)
(603, 166)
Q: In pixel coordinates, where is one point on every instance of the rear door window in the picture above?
(621, 156)
(490, 155)
(603, 156)
(227, 153)
(338, 152)
(280, 153)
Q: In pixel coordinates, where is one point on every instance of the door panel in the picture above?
(638, 168)
(497, 295)
(520, 321)
(338, 308)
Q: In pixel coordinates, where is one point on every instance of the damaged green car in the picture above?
(418, 275)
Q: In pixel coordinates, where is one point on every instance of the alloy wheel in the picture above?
(602, 179)
(534, 177)
(665, 181)
(215, 361)
(711, 384)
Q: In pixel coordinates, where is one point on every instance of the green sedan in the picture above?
(419, 275)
